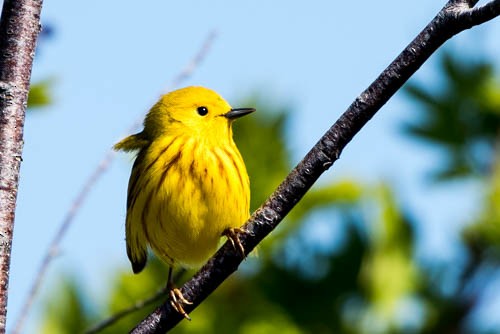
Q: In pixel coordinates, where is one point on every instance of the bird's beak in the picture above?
(238, 112)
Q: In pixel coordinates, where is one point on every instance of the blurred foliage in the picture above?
(68, 301)
(344, 260)
(39, 94)
(483, 237)
(461, 116)
(389, 270)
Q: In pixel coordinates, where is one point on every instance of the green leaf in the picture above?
(40, 94)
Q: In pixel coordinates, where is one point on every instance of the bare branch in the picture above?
(161, 293)
(483, 13)
(464, 4)
(89, 184)
(138, 305)
(447, 23)
(19, 29)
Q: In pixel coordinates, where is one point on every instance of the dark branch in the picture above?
(483, 13)
(456, 16)
(19, 28)
(161, 293)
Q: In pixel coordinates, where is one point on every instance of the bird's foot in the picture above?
(177, 300)
(233, 235)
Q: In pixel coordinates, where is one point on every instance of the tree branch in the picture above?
(19, 28)
(455, 17)
(161, 293)
(484, 13)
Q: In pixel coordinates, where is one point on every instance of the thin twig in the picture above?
(451, 20)
(136, 307)
(102, 167)
(161, 293)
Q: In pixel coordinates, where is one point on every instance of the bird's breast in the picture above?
(196, 192)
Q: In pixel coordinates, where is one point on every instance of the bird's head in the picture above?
(193, 111)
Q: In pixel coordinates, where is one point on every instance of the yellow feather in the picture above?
(189, 182)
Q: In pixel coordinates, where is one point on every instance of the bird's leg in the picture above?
(232, 234)
(176, 297)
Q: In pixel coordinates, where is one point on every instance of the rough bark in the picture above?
(19, 28)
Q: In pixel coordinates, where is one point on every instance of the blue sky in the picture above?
(110, 61)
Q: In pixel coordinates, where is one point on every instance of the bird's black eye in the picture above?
(202, 111)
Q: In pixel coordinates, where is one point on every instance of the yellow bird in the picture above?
(188, 186)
